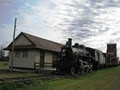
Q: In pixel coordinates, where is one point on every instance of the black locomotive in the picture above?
(74, 59)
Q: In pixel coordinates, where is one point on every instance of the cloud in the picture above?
(39, 20)
(93, 23)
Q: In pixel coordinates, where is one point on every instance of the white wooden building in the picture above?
(33, 53)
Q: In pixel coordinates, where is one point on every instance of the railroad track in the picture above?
(26, 80)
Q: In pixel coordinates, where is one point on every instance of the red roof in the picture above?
(38, 43)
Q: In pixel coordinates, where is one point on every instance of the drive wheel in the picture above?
(91, 69)
(72, 71)
(79, 72)
(82, 70)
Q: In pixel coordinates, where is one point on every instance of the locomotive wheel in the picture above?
(79, 72)
(87, 70)
(83, 70)
(72, 71)
(91, 69)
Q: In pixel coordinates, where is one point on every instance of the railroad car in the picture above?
(98, 61)
(111, 61)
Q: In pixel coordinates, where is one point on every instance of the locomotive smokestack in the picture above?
(70, 41)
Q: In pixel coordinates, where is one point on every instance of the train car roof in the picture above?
(88, 48)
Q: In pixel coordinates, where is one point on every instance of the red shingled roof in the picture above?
(39, 43)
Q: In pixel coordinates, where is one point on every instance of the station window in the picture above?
(17, 54)
(25, 54)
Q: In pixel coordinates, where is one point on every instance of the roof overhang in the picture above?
(21, 47)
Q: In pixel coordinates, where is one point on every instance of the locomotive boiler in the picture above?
(74, 59)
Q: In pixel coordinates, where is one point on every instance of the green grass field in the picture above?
(107, 79)
(3, 65)
(5, 73)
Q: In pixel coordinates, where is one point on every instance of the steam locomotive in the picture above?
(79, 59)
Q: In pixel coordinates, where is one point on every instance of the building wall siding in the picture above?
(24, 62)
(22, 40)
(37, 57)
(33, 56)
(48, 60)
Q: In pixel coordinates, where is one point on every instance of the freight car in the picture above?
(79, 59)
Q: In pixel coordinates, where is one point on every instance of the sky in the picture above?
(93, 23)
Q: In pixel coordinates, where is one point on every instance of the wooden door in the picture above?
(42, 55)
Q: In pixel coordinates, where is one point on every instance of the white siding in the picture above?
(37, 57)
(24, 62)
(22, 40)
(48, 59)
(33, 56)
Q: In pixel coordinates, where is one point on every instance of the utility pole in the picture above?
(12, 53)
(2, 53)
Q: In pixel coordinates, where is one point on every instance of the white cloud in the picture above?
(91, 22)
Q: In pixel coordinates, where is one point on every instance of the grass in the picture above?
(107, 79)
(3, 65)
(5, 73)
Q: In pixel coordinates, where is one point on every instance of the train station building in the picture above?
(31, 53)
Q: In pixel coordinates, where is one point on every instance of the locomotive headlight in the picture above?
(63, 50)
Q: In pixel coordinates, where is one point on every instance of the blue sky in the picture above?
(93, 23)
(9, 9)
